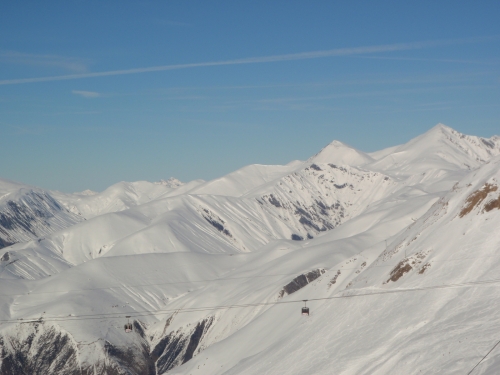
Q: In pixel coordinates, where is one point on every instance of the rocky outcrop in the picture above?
(320, 197)
(4, 243)
(300, 281)
(179, 347)
(38, 348)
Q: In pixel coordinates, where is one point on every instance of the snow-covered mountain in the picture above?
(28, 213)
(396, 252)
(440, 148)
(121, 196)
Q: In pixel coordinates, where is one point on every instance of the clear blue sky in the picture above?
(288, 77)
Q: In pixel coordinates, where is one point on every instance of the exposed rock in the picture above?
(38, 349)
(495, 203)
(272, 199)
(334, 279)
(216, 221)
(476, 198)
(172, 182)
(400, 269)
(409, 263)
(42, 352)
(301, 281)
(4, 243)
(179, 347)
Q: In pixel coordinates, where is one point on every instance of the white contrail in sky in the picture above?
(254, 60)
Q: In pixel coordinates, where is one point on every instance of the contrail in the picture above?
(253, 60)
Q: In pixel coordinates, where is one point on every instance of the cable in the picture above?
(191, 281)
(482, 359)
(208, 280)
(220, 307)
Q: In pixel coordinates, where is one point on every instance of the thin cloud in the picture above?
(258, 60)
(432, 60)
(287, 100)
(455, 77)
(86, 94)
(72, 64)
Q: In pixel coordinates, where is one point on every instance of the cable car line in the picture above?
(221, 307)
(482, 359)
(219, 279)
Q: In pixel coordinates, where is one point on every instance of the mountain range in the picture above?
(396, 253)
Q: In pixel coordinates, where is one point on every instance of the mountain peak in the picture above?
(172, 182)
(463, 141)
(438, 131)
(441, 147)
(441, 126)
(87, 192)
(339, 153)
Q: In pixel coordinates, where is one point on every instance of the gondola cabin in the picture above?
(305, 309)
(128, 325)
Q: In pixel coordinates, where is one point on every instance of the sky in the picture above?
(97, 92)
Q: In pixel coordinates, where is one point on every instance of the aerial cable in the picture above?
(209, 280)
(482, 359)
(133, 314)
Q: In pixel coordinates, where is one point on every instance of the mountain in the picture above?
(28, 213)
(395, 251)
(423, 304)
(121, 196)
(339, 153)
(441, 147)
(298, 206)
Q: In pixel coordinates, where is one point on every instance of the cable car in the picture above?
(305, 309)
(128, 325)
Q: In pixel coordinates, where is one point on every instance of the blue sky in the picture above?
(233, 83)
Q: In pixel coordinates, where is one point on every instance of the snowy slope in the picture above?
(121, 196)
(396, 251)
(426, 304)
(245, 179)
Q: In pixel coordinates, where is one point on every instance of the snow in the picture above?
(28, 212)
(339, 153)
(439, 148)
(245, 179)
(121, 196)
(407, 235)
